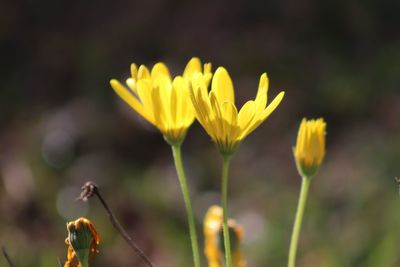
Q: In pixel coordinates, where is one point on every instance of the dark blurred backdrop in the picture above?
(61, 124)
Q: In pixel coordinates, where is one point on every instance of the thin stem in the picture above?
(227, 242)
(176, 151)
(124, 234)
(9, 261)
(89, 189)
(305, 185)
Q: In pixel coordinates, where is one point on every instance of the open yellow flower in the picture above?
(161, 100)
(214, 250)
(310, 147)
(82, 241)
(217, 113)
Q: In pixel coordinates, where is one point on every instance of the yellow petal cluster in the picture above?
(82, 239)
(310, 146)
(161, 100)
(217, 113)
(214, 239)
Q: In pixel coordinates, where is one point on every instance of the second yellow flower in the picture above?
(217, 113)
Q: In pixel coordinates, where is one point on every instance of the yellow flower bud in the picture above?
(310, 147)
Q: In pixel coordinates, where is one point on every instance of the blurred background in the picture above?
(61, 124)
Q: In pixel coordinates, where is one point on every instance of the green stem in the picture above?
(176, 151)
(84, 258)
(227, 242)
(305, 185)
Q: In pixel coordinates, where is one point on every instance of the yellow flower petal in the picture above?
(272, 106)
(159, 107)
(261, 98)
(246, 116)
(130, 99)
(143, 73)
(230, 120)
(144, 89)
(184, 107)
(207, 73)
(266, 112)
(202, 106)
(222, 86)
(193, 66)
(134, 71)
(174, 106)
(158, 70)
(132, 85)
(207, 68)
(221, 133)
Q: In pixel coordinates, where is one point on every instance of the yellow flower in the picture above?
(214, 249)
(217, 113)
(310, 147)
(82, 241)
(160, 100)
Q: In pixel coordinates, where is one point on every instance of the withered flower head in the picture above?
(82, 241)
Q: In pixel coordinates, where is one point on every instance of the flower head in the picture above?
(214, 249)
(82, 241)
(310, 146)
(161, 100)
(217, 113)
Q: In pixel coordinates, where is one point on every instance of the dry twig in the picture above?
(90, 189)
(9, 261)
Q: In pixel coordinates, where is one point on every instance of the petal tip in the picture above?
(220, 70)
(114, 82)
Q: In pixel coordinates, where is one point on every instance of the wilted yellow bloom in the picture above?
(214, 244)
(310, 147)
(217, 113)
(82, 241)
(161, 100)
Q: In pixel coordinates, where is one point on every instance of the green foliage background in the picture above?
(61, 124)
